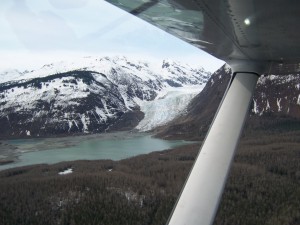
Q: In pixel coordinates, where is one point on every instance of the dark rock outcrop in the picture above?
(276, 105)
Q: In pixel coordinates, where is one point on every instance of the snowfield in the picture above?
(141, 69)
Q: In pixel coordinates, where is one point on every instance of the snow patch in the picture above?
(298, 100)
(262, 112)
(101, 114)
(70, 125)
(85, 121)
(227, 68)
(278, 104)
(268, 105)
(67, 171)
(76, 124)
(255, 107)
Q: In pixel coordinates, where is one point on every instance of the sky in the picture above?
(34, 33)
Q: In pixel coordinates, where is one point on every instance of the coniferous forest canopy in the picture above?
(263, 186)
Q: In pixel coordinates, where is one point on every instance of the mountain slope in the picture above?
(58, 104)
(92, 95)
(278, 95)
(200, 111)
(275, 105)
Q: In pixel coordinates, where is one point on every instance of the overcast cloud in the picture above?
(34, 32)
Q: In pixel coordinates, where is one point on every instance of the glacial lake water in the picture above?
(113, 146)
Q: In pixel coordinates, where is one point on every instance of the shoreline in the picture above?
(74, 163)
(16, 148)
(10, 149)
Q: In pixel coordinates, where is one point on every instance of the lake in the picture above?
(114, 146)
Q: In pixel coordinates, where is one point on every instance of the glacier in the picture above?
(170, 104)
(93, 94)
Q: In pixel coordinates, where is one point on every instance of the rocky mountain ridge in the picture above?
(87, 96)
(275, 105)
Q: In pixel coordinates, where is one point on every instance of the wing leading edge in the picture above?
(260, 31)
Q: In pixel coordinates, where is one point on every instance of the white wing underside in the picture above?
(252, 30)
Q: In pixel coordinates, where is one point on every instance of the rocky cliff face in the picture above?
(275, 105)
(91, 95)
(279, 95)
(200, 111)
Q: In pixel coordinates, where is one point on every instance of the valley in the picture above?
(263, 186)
(91, 95)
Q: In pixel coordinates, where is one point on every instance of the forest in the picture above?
(263, 186)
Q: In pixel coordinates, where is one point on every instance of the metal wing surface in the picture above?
(254, 30)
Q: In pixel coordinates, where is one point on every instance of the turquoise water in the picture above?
(113, 147)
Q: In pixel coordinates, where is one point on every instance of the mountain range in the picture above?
(94, 95)
(89, 95)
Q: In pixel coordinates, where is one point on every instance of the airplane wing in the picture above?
(265, 31)
(253, 37)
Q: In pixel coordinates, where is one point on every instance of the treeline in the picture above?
(263, 187)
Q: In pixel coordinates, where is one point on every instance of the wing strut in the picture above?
(200, 197)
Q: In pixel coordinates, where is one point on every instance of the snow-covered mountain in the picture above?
(88, 95)
(169, 70)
